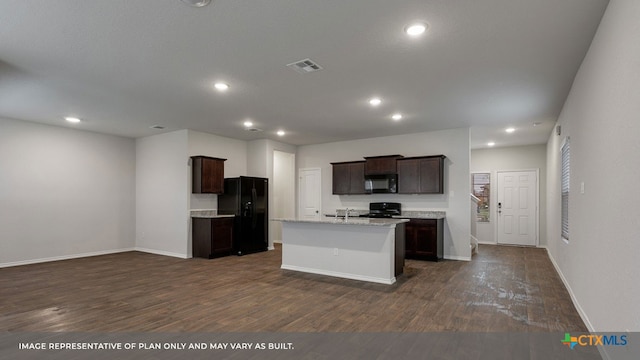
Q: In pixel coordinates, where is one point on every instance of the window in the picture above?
(566, 170)
(482, 190)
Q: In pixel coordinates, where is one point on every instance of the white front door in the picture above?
(518, 208)
(310, 190)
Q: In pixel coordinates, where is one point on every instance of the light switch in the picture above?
(582, 187)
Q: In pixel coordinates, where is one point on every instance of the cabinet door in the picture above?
(212, 176)
(410, 240)
(201, 237)
(356, 178)
(421, 175)
(426, 239)
(408, 176)
(207, 175)
(381, 165)
(341, 179)
(221, 235)
(430, 175)
(348, 178)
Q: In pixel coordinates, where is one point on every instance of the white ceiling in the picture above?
(123, 66)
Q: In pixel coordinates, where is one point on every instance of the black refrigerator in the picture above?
(246, 198)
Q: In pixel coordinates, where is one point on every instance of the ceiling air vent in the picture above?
(157, 127)
(304, 66)
(252, 129)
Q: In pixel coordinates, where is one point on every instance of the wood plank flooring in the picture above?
(504, 289)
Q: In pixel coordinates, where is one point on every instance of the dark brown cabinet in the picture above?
(381, 165)
(424, 239)
(348, 178)
(421, 175)
(207, 175)
(212, 237)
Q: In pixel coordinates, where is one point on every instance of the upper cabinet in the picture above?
(207, 175)
(415, 175)
(348, 178)
(421, 175)
(381, 165)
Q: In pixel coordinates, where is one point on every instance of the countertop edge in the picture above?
(354, 221)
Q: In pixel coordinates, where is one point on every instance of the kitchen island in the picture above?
(357, 248)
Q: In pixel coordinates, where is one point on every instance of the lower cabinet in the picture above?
(424, 239)
(212, 237)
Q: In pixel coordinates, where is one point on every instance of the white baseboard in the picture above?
(456, 257)
(339, 274)
(162, 252)
(64, 257)
(581, 312)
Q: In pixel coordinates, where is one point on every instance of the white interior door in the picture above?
(518, 208)
(310, 190)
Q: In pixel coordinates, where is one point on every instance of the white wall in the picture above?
(599, 264)
(452, 143)
(513, 158)
(64, 193)
(284, 190)
(162, 194)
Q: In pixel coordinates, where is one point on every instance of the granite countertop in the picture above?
(408, 214)
(418, 214)
(207, 214)
(352, 212)
(350, 221)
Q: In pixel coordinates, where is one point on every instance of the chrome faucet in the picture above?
(346, 214)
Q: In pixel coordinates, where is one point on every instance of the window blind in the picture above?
(566, 170)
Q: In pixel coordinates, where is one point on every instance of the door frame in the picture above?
(537, 195)
(319, 171)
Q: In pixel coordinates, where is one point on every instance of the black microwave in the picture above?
(374, 184)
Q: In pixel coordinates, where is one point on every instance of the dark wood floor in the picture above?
(504, 289)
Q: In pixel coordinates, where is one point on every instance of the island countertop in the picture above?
(350, 221)
(207, 214)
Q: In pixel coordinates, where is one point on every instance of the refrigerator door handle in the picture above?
(254, 216)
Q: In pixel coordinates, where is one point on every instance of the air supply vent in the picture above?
(157, 127)
(304, 66)
(252, 129)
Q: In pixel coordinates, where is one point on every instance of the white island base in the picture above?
(360, 249)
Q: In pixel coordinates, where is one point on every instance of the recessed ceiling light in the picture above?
(491, 143)
(72, 119)
(375, 101)
(510, 130)
(280, 133)
(416, 29)
(197, 3)
(396, 117)
(248, 124)
(220, 86)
